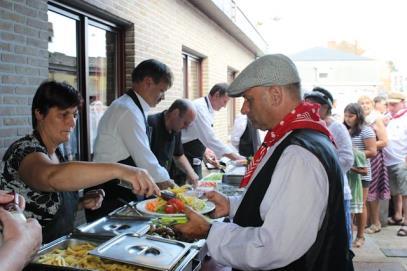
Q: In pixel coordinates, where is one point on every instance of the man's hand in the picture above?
(5, 197)
(211, 158)
(221, 202)
(20, 238)
(197, 226)
(192, 179)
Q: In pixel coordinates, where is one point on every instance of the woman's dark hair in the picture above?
(54, 94)
(219, 88)
(154, 69)
(355, 108)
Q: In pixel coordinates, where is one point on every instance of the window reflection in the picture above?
(102, 76)
(63, 60)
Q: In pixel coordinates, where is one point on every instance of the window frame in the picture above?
(186, 57)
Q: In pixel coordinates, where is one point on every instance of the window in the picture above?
(191, 71)
(84, 52)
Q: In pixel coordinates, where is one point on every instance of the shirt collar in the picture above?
(208, 104)
(143, 103)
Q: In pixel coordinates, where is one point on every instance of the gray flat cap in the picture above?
(268, 70)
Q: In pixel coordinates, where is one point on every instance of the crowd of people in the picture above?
(308, 184)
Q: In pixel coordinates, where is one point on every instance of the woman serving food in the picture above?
(34, 166)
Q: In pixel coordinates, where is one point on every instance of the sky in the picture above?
(290, 26)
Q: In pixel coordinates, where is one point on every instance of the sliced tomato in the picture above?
(170, 209)
(178, 204)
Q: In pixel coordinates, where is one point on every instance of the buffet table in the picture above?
(128, 239)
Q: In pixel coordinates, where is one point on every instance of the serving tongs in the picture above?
(167, 195)
(130, 206)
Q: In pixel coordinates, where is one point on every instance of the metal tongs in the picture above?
(167, 195)
(130, 206)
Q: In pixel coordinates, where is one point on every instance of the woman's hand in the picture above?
(93, 199)
(140, 180)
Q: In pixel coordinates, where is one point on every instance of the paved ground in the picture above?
(371, 258)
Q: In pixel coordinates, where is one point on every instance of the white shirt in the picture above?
(201, 128)
(292, 209)
(239, 127)
(122, 133)
(396, 149)
(345, 153)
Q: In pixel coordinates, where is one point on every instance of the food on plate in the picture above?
(77, 256)
(213, 177)
(176, 205)
(162, 227)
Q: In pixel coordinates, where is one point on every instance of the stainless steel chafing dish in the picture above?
(186, 262)
(111, 226)
(147, 251)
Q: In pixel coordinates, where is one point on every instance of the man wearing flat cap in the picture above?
(291, 215)
(395, 158)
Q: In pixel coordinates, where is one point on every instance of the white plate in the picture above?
(141, 206)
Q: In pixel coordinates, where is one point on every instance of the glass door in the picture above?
(102, 75)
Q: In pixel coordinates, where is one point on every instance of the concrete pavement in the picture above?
(371, 258)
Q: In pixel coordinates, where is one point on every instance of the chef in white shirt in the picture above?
(200, 134)
(124, 135)
(244, 137)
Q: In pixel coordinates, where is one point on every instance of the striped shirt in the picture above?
(358, 143)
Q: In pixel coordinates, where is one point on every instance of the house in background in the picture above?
(94, 45)
(347, 76)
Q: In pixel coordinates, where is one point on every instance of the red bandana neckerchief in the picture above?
(399, 114)
(305, 115)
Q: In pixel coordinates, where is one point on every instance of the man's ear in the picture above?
(275, 94)
(148, 81)
(176, 113)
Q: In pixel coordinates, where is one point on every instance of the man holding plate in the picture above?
(291, 216)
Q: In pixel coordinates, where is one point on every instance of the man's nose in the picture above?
(72, 121)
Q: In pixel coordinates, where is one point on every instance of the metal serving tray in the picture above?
(147, 251)
(187, 263)
(61, 243)
(111, 226)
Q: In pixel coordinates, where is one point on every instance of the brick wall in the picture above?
(23, 64)
(161, 28)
